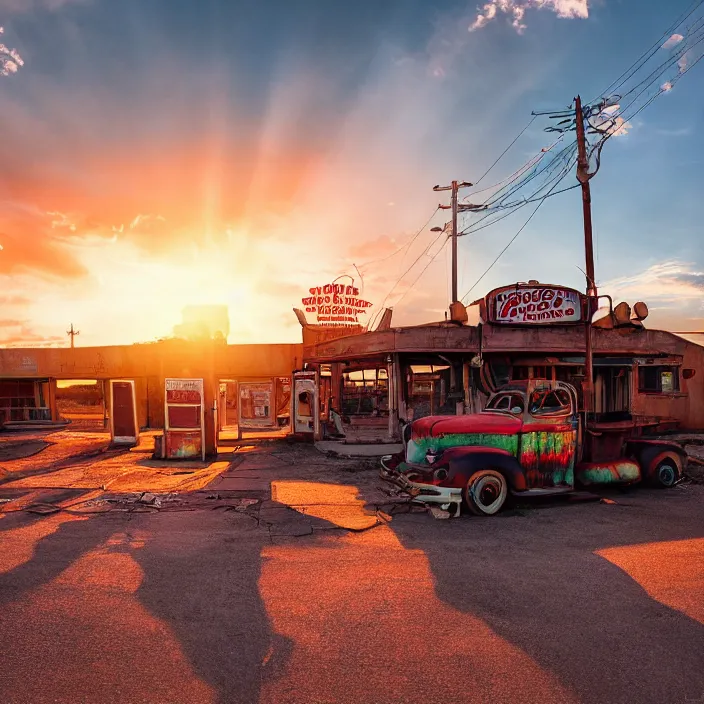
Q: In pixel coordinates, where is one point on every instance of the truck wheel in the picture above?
(486, 492)
(662, 469)
(666, 473)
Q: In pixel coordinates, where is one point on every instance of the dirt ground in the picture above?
(278, 574)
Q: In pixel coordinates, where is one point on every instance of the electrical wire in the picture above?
(515, 175)
(430, 261)
(565, 163)
(653, 78)
(528, 202)
(400, 278)
(404, 246)
(628, 108)
(650, 52)
(503, 153)
(501, 196)
(543, 167)
(510, 242)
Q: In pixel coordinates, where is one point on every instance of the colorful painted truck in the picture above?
(529, 440)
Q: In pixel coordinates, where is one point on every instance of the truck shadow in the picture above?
(544, 579)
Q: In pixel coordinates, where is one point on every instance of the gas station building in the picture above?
(134, 381)
(369, 382)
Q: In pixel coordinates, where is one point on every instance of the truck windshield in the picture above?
(548, 402)
(506, 403)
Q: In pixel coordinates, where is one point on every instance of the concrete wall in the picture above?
(150, 364)
(168, 358)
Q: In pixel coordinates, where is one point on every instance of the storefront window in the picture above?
(365, 392)
(20, 400)
(430, 390)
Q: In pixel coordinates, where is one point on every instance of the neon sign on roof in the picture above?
(336, 304)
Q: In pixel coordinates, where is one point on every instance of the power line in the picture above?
(520, 134)
(500, 196)
(404, 246)
(511, 241)
(513, 207)
(649, 53)
(528, 202)
(606, 128)
(515, 175)
(399, 279)
(430, 261)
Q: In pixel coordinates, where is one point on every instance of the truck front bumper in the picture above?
(447, 498)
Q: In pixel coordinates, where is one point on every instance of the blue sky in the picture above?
(170, 153)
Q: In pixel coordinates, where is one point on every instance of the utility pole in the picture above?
(72, 334)
(455, 207)
(583, 176)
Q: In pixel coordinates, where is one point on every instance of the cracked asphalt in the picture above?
(280, 575)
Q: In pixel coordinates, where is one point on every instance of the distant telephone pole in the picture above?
(72, 333)
(455, 207)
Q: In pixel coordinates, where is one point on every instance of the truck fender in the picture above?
(650, 453)
(652, 456)
(463, 462)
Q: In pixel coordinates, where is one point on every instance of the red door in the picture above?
(123, 426)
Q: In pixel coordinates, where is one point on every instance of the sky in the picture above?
(169, 154)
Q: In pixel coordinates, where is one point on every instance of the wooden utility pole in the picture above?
(72, 333)
(455, 207)
(583, 176)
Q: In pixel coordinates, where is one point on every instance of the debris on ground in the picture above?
(43, 509)
(604, 500)
(695, 464)
(438, 513)
(243, 504)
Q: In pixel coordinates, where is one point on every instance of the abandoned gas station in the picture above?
(193, 390)
(377, 380)
(359, 386)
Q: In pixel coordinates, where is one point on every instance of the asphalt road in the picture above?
(585, 602)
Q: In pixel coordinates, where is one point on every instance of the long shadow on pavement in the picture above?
(142, 590)
(537, 581)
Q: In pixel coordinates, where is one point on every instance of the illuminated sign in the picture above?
(188, 391)
(535, 305)
(336, 304)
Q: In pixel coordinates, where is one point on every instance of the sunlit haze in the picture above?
(163, 155)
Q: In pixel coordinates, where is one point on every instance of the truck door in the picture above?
(549, 438)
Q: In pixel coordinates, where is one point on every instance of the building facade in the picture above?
(373, 382)
(378, 380)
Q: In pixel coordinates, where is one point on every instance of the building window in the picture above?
(658, 380)
(520, 373)
(365, 392)
(433, 389)
(18, 400)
